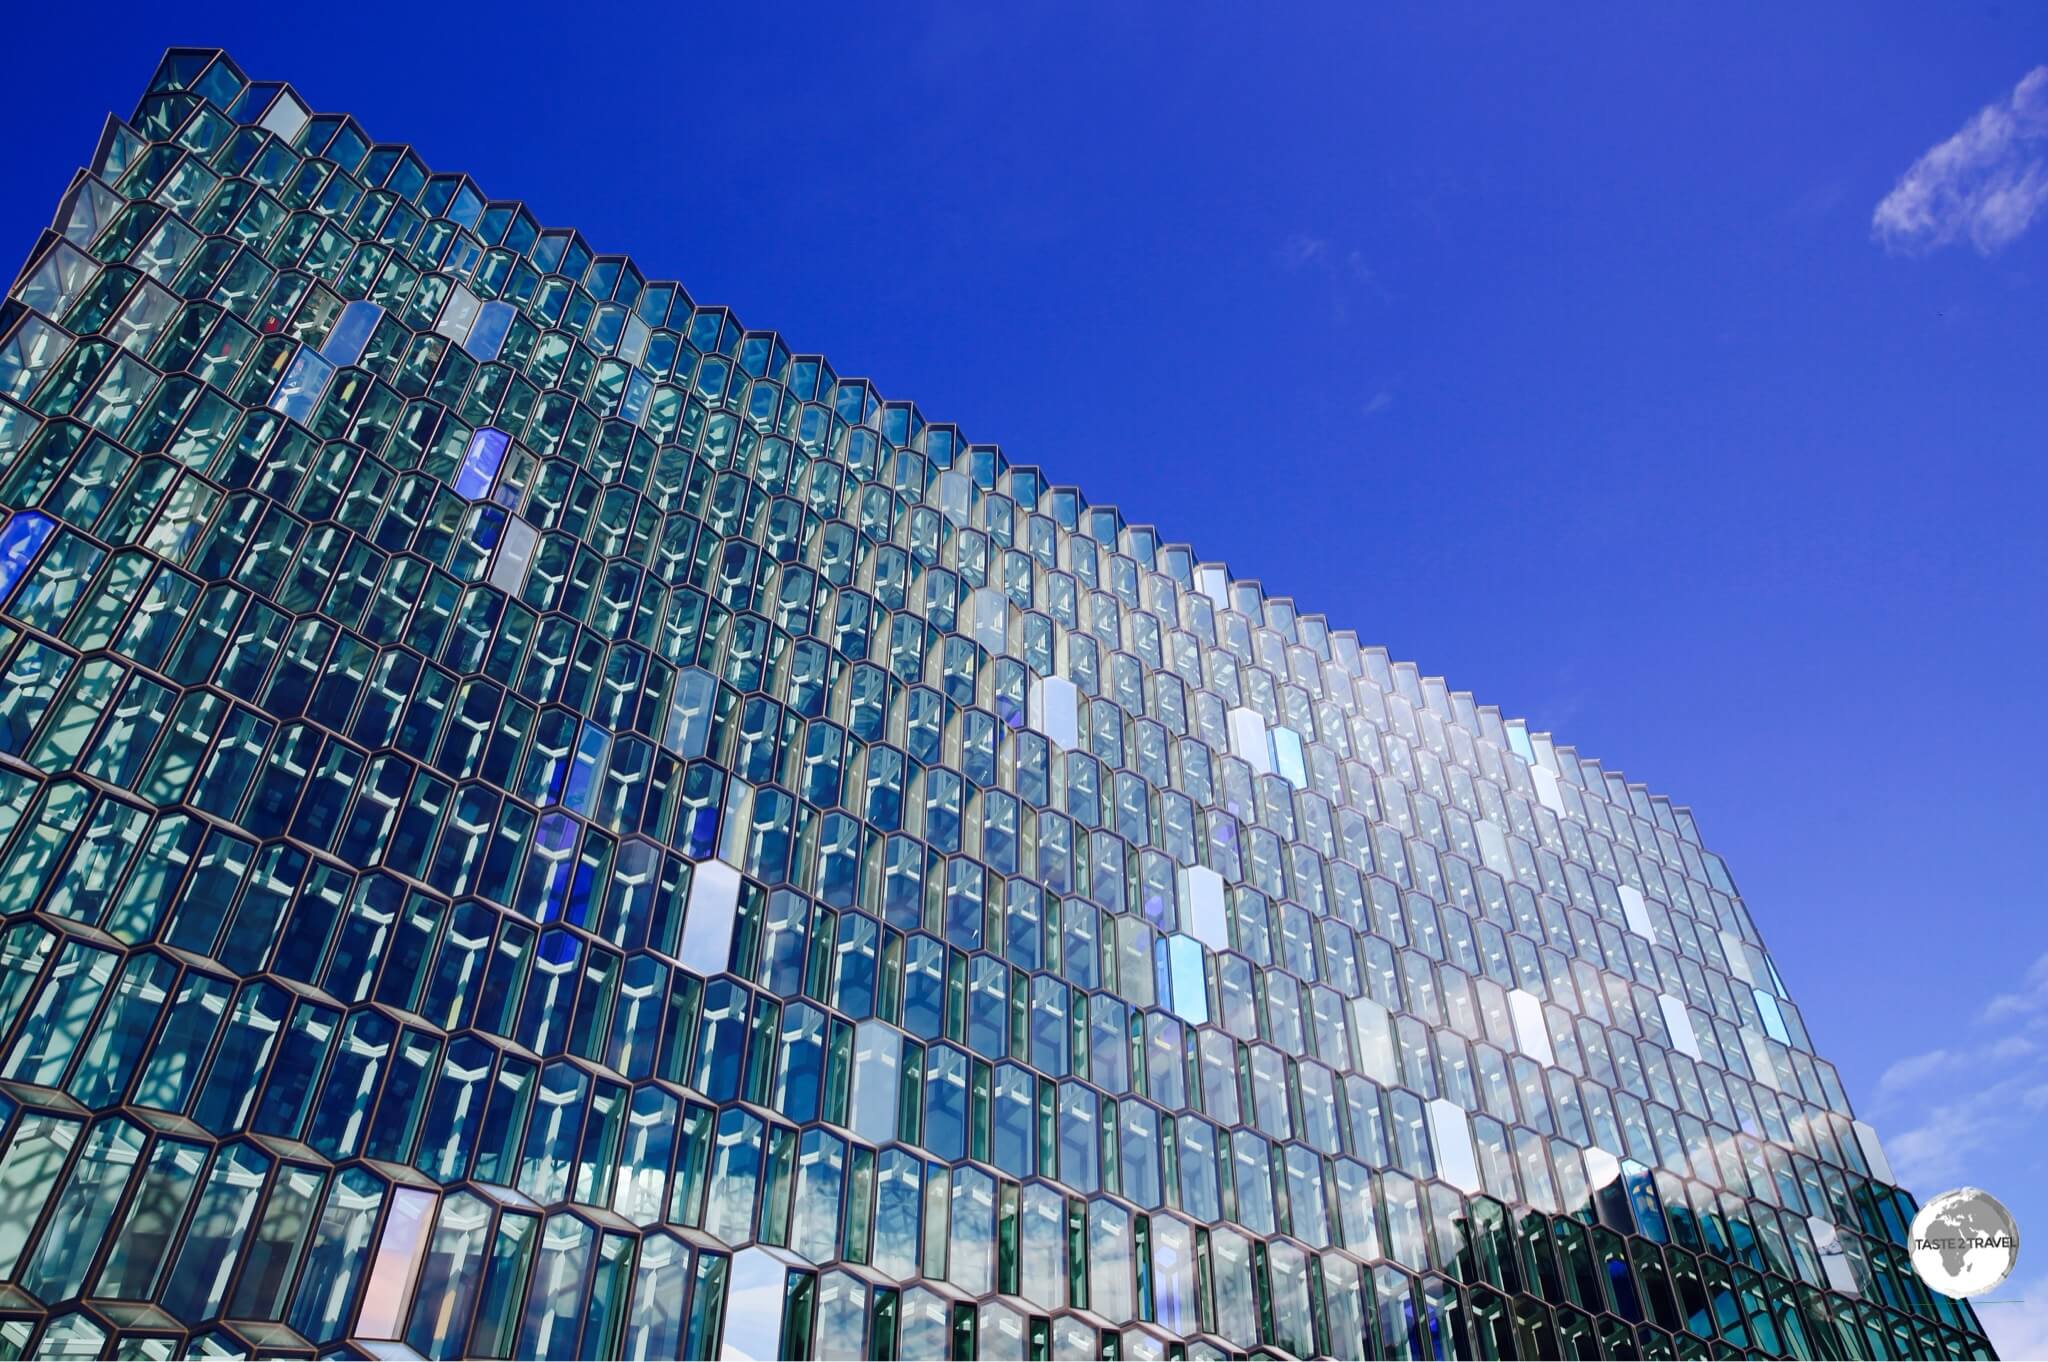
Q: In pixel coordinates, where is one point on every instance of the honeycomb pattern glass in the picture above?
(535, 821)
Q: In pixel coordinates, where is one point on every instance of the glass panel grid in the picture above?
(536, 821)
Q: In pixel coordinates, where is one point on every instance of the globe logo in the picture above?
(1964, 1242)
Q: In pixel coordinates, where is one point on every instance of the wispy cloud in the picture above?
(1302, 249)
(1960, 1126)
(1981, 1095)
(1343, 268)
(2016, 1317)
(2030, 1000)
(1379, 402)
(1913, 1070)
(1985, 185)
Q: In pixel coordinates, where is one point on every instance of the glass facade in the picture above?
(536, 822)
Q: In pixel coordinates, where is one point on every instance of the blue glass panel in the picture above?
(20, 541)
(549, 869)
(635, 404)
(487, 333)
(303, 385)
(254, 101)
(1182, 980)
(490, 526)
(587, 769)
(480, 462)
(1774, 1019)
(1518, 738)
(1643, 1199)
(351, 333)
(1288, 757)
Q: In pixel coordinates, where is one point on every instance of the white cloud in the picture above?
(1912, 1070)
(1343, 271)
(1940, 1152)
(2031, 998)
(1932, 1155)
(1985, 185)
(1302, 249)
(1946, 1109)
(1970, 1114)
(2016, 1317)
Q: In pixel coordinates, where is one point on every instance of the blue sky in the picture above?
(1565, 352)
